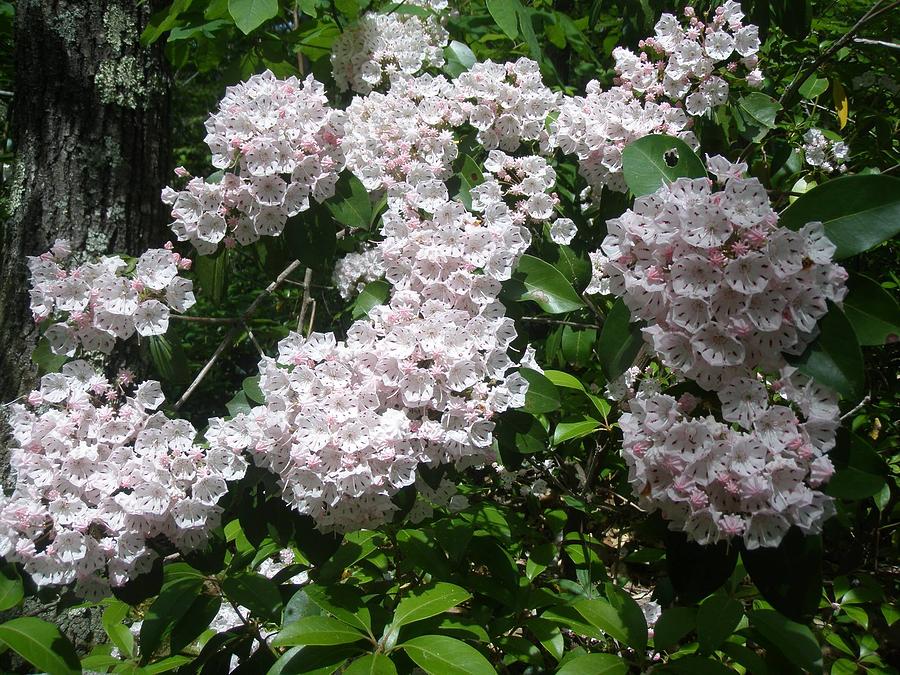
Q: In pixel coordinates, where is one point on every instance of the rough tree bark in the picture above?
(90, 124)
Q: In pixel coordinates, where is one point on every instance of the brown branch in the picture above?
(558, 322)
(233, 333)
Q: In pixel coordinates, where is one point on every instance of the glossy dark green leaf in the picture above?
(45, 359)
(696, 571)
(316, 630)
(41, 644)
(758, 112)
(543, 284)
(569, 429)
(542, 395)
(834, 358)
(793, 640)
(789, 576)
(620, 341)
(257, 593)
(375, 293)
(717, 618)
(372, 664)
(693, 664)
(673, 625)
(459, 58)
(594, 664)
(173, 602)
(872, 311)
(196, 620)
(656, 160)
(249, 15)
(344, 603)
(618, 615)
(211, 273)
(505, 14)
(11, 590)
(858, 212)
(251, 389)
(425, 602)
(813, 86)
(442, 655)
(578, 344)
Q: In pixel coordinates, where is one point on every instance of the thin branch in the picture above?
(233, 333)
(874, 11)
(558, 322)
(254, 340)
(206, 319)
(850, 413)
(877, 43)
(304, 303)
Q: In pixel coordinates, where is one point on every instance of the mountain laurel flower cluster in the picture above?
(685, 63)
(278, 143)
(596, 128)
(355, 270)
(752, 475)
(724, 289)
(93, 304)
(823, 153)
(346, 423)
(98, 475)
(377, 46)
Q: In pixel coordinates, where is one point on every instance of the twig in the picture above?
(877, 43)
(233, 332)
(254, 340)
(304, 303)
(206, 319)
(856, 408)
(874, 11)
(560, 322)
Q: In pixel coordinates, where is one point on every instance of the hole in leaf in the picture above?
(671, 157)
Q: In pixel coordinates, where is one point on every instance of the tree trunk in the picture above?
(90, 125)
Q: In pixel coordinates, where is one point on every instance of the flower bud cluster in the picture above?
(367, 54)
(347, 422)
(823, 153)
(91, 305)
(684, 63)
(355, 270)
(723, 288)
(597, 127)
(752, 475)
(99, 476)
(278, 143)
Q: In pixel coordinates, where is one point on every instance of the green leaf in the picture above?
(717, 618)
(194, 622)
(656, 160)
(696, 571)
(549, 635)
(442, 655)
(567, 430)
(758, 113)
(871, 310)
(163, 21)
(211, 272)
(168, 357)
(695, 665)
(858, 212)
(459, 58)
(795, 641)
(45, 359)
(372, 664)
(578, 344)
(505, 15)
(834, 357)
(813, 87)
(252, 390)
(351, 204)
(620, 341)
(375, 293)
(172, 603)
(423, 603)
(119, 634)
(41, 644)
(238, 404)
(255, 592)
(672, 626)
(542, 396)
(249, 15)
(345, 603)
(594, 664)
(316, 630)
(542, 283)
(618, 616)
(11, 590)
(864, 474)
(349, 8)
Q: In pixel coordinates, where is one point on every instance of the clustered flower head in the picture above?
(597, 127)
(92, 304)
(100, 476)
(347, 422)
(367, 54)
(355, 270)
(824, 153)
(506, 102)
(685, 63)
(723, 288)
(278, 143)
(404, 134)
(753, 474)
